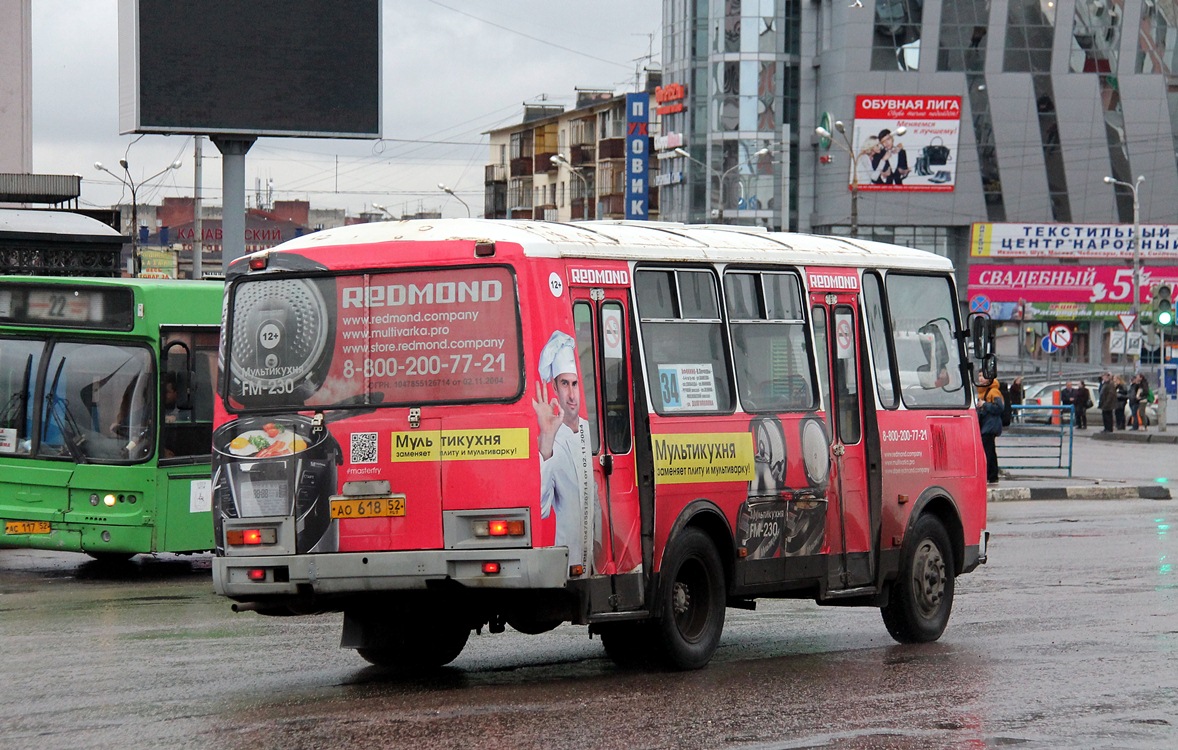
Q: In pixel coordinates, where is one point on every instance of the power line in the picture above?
(517, 32)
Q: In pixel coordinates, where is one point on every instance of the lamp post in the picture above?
(723, 175)
(454, 195)
(129, 183)
(561, 161)
(1135, 240)
(845, 145)
(384, 210)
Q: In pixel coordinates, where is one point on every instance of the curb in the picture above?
(1083, 492)
(1136, 436)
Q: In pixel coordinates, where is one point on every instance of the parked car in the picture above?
(1047, 394)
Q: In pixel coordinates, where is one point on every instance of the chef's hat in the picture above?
(557, 356)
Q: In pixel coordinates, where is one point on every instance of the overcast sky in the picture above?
(452, 70)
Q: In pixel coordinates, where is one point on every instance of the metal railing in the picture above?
(1039, 437)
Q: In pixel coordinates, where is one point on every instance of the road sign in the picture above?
(1061, 335)
(1048, 347)
(1125, 342)
(1127, 320)
(979, 304)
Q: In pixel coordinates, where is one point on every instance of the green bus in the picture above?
(106, 411)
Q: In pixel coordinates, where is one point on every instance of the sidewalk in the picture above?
(1105, 466)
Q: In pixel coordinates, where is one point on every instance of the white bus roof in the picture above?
(636, 240)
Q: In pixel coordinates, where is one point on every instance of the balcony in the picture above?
(613, 206)
(612, 148)
(494, 173)
(521, 166)
(584, 154)
(578, 209)
(543, 162)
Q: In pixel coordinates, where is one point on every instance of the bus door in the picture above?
(188, 370)
(836, 340)
(603, 346)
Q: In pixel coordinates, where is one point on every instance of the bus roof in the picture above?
(156, 302)
(635, 240)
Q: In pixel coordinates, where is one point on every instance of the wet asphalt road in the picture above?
(1068, 638)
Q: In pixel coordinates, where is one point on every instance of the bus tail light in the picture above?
(248, 537)
(258, 262)
(484, 249)
(491, 568)
(498, 527)
(256, 574)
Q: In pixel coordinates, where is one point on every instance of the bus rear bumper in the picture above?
(247, 578)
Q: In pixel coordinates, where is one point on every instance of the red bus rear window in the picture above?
(405, 337)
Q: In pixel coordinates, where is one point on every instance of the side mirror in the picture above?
(989, 366)
(981, 336)
(183, 377)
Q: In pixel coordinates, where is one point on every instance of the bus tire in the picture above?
(922, 596)
(627, 644)
(691, 602)
(419, 648)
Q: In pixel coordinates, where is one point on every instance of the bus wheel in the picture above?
(922, 596)
(627, 644)
(418, 647)
(691, 600)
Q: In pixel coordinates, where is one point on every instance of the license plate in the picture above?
(27, 527)
(369, 507)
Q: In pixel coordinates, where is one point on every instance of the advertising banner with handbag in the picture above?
(916, 137)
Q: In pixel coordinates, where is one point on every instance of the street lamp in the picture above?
(845, 145)
(723, 175)
(384, 210)
(561, 161)
(129, 183)
(454, 195)
(1135, 239)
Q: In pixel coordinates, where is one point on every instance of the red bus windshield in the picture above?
(410, 337)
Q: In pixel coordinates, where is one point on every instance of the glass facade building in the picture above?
(1054, 96)
(945, 118)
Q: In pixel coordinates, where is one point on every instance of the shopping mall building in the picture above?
(983, 130)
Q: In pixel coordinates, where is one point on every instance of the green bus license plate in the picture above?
(27, 527)
(369, 507)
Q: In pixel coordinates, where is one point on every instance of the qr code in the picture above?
(364, 446)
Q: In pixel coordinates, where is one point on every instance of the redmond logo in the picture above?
(841, 282)
(599, 276)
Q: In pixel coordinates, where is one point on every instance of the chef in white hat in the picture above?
(566, 481)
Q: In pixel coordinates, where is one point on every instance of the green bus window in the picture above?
(99, 403)
(19, 361)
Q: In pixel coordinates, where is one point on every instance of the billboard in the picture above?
(1072, 241)
(264, 68)
(637, 156)
(921, 158)
(1008, 291)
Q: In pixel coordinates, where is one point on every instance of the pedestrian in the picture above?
(1107, 400)
(1065, 397)
(1140, 396)
(1017, 394)
(990, 406)
(1122, 392)
(1082, 401)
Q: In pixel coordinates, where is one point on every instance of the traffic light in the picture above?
(1163, 305)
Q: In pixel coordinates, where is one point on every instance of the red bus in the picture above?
(437, 426)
